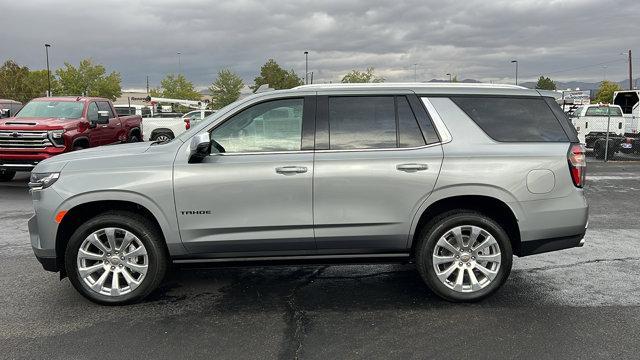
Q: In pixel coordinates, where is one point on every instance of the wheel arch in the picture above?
(79, 210)
(495, 204)
(81, 141)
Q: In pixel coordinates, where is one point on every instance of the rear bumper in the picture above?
(551, 244)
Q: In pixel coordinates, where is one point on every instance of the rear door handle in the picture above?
(291, 170)
(412, 167)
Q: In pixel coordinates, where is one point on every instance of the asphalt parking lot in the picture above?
(577, 303)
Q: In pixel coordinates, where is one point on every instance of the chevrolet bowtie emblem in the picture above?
(15, 134)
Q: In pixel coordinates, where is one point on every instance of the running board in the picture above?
(301, 259)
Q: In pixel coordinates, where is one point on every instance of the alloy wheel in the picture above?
(112, 261)
(466, 258)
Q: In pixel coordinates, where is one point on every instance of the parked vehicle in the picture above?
(629, 102)
(9, 108)
(435, 174)
(166, 126)
(591, 124)
(47, 127)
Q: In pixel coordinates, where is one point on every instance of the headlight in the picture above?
(56, 137)
(43, 180)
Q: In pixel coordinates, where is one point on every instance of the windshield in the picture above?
(52, 109)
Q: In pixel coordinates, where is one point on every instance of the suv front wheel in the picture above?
(116, 258)
(464, 255)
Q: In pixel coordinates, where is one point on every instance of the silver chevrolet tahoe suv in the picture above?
(455, 178)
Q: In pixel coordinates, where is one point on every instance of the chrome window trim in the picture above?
(263, 153)
(441, 128)
(380, 149)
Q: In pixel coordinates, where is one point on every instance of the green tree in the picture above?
(37, 82)
(545, 83)
(276, 77)
(176, 87)
(605, 92)
(89, 79)
(226, 88)
(367, 76)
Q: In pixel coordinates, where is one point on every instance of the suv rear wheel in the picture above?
(464, 255)
(116, 258)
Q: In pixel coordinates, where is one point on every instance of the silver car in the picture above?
(455, 178)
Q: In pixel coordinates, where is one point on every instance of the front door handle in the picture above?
(286, 170)
(412, 167)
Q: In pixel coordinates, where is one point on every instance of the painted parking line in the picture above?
(612, 177)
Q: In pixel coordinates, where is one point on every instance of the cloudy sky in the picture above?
(402, 40)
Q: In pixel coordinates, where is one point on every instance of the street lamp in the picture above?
(46, 50)
(179, 65)
(516, 62)
(449, 75)
(306, 67)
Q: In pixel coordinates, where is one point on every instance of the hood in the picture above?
(36, 123)
(92, 155)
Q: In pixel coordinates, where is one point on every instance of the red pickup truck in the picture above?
(46, 127)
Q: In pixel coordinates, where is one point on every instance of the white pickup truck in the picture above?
(160, 128)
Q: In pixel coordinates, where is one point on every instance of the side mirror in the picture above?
(103, 117)
(200, 147)
(5, 113)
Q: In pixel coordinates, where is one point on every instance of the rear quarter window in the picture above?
(513, 119)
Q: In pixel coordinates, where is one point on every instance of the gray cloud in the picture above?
(473, 39)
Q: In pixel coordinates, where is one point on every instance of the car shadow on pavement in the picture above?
(332, 288)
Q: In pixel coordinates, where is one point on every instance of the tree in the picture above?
(367, 76)
(38, 84)
(276, 77)
(605, 92)
(89, 79)
(226, 88)
(545, 83)
(176, 87)
(21, 84)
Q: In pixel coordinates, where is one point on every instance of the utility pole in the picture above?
(449, 75)
(46, 50)
(415, 72)
(516, 62)
(147, 84)
(630, 72)
(306, 67)
(179, 65)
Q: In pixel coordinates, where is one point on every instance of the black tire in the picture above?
(7, 175)
(77, 147)
(134, 138)
(139, 226)
(598, 149)
(438, 227)
(159, 134)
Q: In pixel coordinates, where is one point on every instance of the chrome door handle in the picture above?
(291, 170)
(412, 167)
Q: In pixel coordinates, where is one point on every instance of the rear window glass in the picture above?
(512, 119)
(602, 111)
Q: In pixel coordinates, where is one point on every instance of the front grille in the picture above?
(24, 139)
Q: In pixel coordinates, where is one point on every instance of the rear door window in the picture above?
(513, 119)
(362, 122)
(409, 134)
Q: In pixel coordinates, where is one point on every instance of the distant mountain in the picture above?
(581, 85)
(472, 81)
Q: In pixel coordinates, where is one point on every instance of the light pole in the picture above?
(449, 75)
(179, 65)
(46, 50)
(306, 67)
(604, 74)
(415, 73)
(516, 62)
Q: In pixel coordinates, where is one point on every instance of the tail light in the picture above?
(577, 164)
(187, 124)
